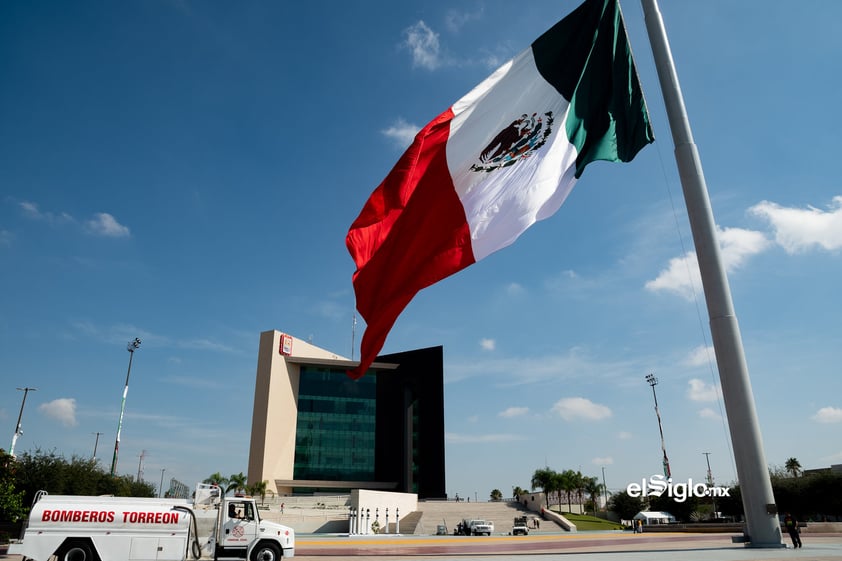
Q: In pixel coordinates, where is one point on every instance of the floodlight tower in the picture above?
(653, 381)
(96, 443)
(710, 483)
(18, 430)
(131, 347)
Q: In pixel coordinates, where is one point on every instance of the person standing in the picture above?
(791, 525)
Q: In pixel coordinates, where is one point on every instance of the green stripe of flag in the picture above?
(586, 57)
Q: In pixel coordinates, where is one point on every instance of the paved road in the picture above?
(582, 546)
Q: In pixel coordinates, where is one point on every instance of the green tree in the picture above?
(593, 488)
(216, 479)
(517, 491)
(624, 505)
(496, 495)
(682, 510)
(258, 488)
(568, 483)
(236, 483)
(544, 479)
(52, 472)
(11, 498)
(793, 467)
(581, 485)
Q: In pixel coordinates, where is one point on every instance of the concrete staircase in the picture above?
(450, 513)
(318, 515)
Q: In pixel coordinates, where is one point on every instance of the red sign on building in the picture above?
(286, 344)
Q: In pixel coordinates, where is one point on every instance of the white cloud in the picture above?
(607, 461)
(62, 409)
(423, 42)
(492, 61)
(6, 238)
(513, 412)
(700, 391)
(739, 244)
(487, 344)
(514, 288)
(828, 415)
(467, 438)
(624, 435)
(103, 224)
(401, 132)
(331, 310)
(682, 275)
(531, 369)
(700, 356)
(32, 211)
(454, 20)
(570, 408)
(708, 413)
(801, 229)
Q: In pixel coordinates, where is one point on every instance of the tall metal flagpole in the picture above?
(762, 525)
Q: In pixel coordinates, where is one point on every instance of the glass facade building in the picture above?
(316, 430)
(335, 432)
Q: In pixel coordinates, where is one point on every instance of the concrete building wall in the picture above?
(272, 449)
(409, 390)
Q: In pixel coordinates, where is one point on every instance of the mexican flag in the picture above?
(501, 158)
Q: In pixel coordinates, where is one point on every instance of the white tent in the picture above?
(654, 517)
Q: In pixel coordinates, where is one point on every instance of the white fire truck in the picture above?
(78, 528)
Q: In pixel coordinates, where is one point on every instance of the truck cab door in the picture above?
(240, 526)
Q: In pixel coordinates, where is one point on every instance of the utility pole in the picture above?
(18, 430)
(653, 381)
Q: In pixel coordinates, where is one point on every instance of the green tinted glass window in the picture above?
(336, 422)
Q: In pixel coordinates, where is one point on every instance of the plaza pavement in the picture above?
(581, 546)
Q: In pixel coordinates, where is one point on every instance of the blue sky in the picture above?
(186, 172)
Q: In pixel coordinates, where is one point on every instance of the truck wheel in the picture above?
(266, 551)
(76, 551)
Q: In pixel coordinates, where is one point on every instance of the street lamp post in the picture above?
(161, 486)
(604, 488)
(653, 381)
(131, 347)
(18, 430)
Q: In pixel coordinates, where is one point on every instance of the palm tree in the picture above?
(236, 483)
(517, 491)
(580, 488)
(496, 495)
(793, 466)
(258, 488)
(594, 488)
(567, 482)
(216, 479)
(544, 479)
